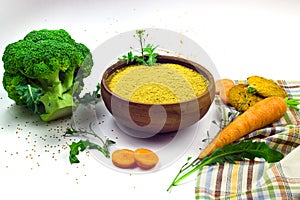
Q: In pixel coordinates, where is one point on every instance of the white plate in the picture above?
(169, 147)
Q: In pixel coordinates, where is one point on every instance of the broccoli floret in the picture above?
(48, 61)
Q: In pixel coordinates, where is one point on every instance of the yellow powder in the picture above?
(162, 83)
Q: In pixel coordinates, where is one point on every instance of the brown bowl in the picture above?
(158, 118)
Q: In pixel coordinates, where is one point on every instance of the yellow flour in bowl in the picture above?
(160, 84)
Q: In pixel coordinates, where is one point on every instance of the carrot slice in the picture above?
(123, 158)
(145, 158)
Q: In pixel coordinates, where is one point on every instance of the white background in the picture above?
(242, 38)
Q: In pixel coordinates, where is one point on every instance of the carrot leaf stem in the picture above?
(230, 153)
(292, 103)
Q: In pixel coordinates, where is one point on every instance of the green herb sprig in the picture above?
(95, 96)
(148, 56)
(229, 153)
(81, 145)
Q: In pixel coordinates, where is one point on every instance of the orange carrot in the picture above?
(222, 88)
(123, 158)
(257, 116)
(145, 158)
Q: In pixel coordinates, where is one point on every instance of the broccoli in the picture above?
(45, 72)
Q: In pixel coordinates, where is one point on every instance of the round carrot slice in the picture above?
(145, 158)
(123, 158)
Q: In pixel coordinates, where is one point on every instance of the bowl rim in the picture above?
(122, 63)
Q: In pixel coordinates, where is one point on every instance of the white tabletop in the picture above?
(241, 37)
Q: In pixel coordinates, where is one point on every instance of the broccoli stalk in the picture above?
(45, 72)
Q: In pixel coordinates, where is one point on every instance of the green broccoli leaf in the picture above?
(229, 153)
(30, 96)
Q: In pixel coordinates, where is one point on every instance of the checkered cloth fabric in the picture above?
(257, 179)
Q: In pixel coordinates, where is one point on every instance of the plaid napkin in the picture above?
(257, 179)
